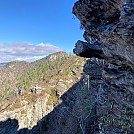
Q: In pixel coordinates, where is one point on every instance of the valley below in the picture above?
(29, 91)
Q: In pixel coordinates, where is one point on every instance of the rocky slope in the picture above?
(35, 90)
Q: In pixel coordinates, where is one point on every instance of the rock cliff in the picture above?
(109, 35)
(27, 114)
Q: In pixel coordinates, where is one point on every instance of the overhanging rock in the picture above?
(88, 50)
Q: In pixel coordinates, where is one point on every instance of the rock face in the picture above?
(28, 114)
(111, 24)
(109, 32)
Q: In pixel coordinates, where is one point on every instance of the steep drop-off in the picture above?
(29, 91)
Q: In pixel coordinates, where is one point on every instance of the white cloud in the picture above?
(25, 51)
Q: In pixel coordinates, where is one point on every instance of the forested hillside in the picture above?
(24, 84)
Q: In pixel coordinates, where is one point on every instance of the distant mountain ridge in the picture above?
(2, 64)
(44, 59)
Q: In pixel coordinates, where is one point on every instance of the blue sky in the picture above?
(38, 22)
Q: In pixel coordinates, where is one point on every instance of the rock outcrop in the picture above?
(109, 35)
(111, 24)
(28, 114)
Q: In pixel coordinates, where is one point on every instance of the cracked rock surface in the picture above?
(109, 36)
(111, 23)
